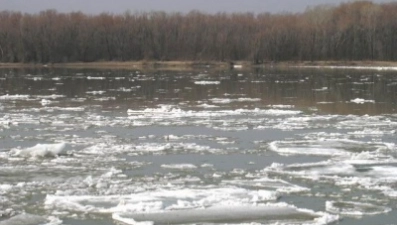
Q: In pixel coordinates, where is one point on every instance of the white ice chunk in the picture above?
(379, 68)
(14, 97)
(226, 214)
(326, 148)
(361, 101)
(179, 166)
(45, 102)
(96, 92)
(95, 78)
(41, 150)
(160, 200)
(229, 100)
(282, 106)
(24, 219)
(355, 208)
(207, 106)
(129, 221)
(207, 82)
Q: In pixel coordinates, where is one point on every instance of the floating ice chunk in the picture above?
(25, 219)
(73, 109)
(324, 103)
(171, 112)
(160, 200)
(179, 166)
(207, 82)
(207, 106)
(5, 188)
(105, 99)
(325, 147)
(95, 78)
(299, 148)
(14, 97)
(390, 192)
(227, 214)
(278, 112)
(41, 150)
(367, 174)
(371, 132)
(6, 212)
(53, 96)
(45, 102)
(321, 89)
(379, 68)
(280, 186)
(282, 106)
(361, 101)
(131, 221)
(35, 78)
(96, 92)
(248, 99)
(221, 100)
(355, 208)
(228, 100)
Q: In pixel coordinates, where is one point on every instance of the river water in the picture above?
(269, 146)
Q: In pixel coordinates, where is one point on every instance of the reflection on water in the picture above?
(266, 146)
(330, 91)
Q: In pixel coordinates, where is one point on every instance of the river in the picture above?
(206, 146)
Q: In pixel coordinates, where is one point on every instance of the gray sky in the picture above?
(120, 6)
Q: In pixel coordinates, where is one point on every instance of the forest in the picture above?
(359, 30)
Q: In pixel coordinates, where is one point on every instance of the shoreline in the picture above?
(188, 65)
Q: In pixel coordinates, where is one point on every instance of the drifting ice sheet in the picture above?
(28, 219)
(41, 150)
(227, 214)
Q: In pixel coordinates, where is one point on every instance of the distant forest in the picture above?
(360, 30)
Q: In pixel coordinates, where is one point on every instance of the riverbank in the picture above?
(188, 65)
(167, 65)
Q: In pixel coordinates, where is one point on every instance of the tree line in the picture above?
(359, 30)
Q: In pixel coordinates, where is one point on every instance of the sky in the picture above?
(209, 6)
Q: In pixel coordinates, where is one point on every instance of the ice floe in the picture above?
(361, 101)
(41, 150)
(30, 219)
(278, 185)
(355, 208)
(179, 166)
(160, 200)
(95, 78)
(169, 111)
(281, 213)
(190, 206)
(229, 100)
(14, 97)
(207, 82)
(45, 102)
(325, 147)
(367, 174)
(378, 68)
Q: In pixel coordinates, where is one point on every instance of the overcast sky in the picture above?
(120, 6)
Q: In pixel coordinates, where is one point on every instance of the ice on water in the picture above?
(227, 214)
(30, 219)
(220, 159)
(41, 150)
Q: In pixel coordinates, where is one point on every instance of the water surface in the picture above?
(269, 146)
